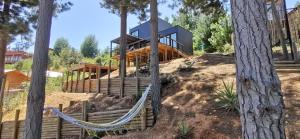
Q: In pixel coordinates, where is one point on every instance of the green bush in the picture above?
(184, 131)
(227, 97)
(13, 100)
(54, 84)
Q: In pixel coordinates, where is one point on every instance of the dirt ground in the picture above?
(191, 98)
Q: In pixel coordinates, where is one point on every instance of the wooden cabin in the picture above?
(12, 57)
(15, 79)
(174, 42)
(294, 21)
(83, 77)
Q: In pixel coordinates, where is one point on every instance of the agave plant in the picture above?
(227, 97)
(184, 131)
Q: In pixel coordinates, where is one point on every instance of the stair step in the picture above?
(288, 70)
(284, 62)
(287, 66)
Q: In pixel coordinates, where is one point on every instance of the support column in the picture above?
(90, 79)
(83, 82)
(109, 69)
(77, 81)
(72, 73)
(67, 82)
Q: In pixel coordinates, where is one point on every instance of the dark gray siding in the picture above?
(145, 28)
(186, 38)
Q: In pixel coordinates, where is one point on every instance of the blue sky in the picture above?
(87, 17)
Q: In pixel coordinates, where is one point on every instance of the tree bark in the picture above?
(36, 96)
(3, 46)
(279, 28)
(4, 37)
(154, 59)
(258, 86)
(123, 45)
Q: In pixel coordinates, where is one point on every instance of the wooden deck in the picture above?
(166, 53)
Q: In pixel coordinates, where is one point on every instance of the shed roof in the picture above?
(130, 39)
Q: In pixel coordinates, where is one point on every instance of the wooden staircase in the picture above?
(287, 67)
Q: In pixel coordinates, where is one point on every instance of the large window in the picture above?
(135, 33)
(170, 40)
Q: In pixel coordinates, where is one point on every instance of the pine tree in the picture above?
(89, 47)
(36, 96)
(154, 60)
(122, 8)
(258, 85)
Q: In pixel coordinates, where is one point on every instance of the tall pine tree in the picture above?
(122, 8)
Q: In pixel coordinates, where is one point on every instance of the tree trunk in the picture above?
(36, 96)
(279, 28)
(3, 46)
(4, 38)
(154, 60)
(258, 86)
(123, 45)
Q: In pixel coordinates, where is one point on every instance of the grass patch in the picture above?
(184, 131)
(227, 97)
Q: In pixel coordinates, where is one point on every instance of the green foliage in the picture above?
(18, 65)
(59, 45)
(221, 33)
(89, 47)
(53, 84)
(210, 33)
(13, 100)
(9, 66)
(227, 97)
(69, 56)
(184, 131)
(137, 7)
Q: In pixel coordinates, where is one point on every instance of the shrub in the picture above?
(184, 131)
(188, 66)
(227, 97)
(13, 100)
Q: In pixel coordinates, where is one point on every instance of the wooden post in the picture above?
(59, 124)
(296, 58)
(1, 101)
(144, 118)
(136, 65)
(16, 125)
(72, 73)
(99, 87)
(84, 118)
(83, 82)
(67, 82)
(77, 81)
(90, 79)
(166, 55)
(109, 69)
(137, 85)
(98, 80)
(62, 82)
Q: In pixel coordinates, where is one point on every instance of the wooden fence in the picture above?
(56, 128)
(107, 86)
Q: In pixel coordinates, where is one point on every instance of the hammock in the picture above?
(106, 126)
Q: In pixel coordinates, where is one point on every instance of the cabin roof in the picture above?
(86, 67)
(130, 39)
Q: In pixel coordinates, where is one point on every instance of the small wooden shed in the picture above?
(15, 79)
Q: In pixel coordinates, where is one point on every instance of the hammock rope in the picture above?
(126, 118)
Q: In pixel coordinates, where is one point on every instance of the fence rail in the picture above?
(57, 128)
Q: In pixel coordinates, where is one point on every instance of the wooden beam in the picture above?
(72, 74)
(98, 79)
(77, 80)
(83, 82)
(83, 118)
(90, 79)
(109, 69)
(59, 124)
(67, 82)
(16, 125)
